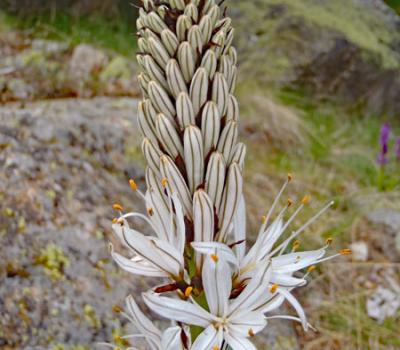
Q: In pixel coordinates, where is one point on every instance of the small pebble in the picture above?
(359, 251)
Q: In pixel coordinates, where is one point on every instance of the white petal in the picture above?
(141, 321)
(293, 301)
(256, 293)
(161, 254)
(194, 156)
(208, 339)
(274, 303)
(160, 214)
(180, 223)
(215, 178)
(210, 126)
(176, 183)
(245, 323)
(117, 228)
(239, 343)
(152, 155)
(178, 310)
(137, 266)
(221, 249)
(203, 221)
(296, 261)
(171, 339)
(203, 217)
(264, 243)
(230, 200)
(286, 280)
(240, 230)
(217, 282)
(168, 249)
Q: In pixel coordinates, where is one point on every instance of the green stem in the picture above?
(195, 331)
(381, 178)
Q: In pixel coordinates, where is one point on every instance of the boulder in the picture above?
(344, 51)
(387, 221)
(86, 60)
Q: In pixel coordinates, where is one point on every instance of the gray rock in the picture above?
(58, 285)
(19, 89)
(359, 251)
(389, 221)
(279, 335)
(389, 218)
(49, 46)
(85, 60)
(383, 303)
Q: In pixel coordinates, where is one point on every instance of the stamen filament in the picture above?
(288, 223)
(141, 216)
(301, 229)
(274, 204)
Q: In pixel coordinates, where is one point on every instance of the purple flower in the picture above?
(385, 134)
(398, 149)
(384, 143)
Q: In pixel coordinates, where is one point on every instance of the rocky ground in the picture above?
(32, 68)
(64, 163)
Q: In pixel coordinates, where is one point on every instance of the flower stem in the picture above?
(381, 178)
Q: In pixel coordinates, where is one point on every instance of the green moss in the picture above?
(395, 4)
(58, 347)
(53, 260)
(91, 316)
(117, 337)
(118, 68)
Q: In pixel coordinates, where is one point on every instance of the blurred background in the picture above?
(320, 97)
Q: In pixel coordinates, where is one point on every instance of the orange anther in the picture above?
(345, 251)
(188, 291)
(118, 207)
(306, 200)
(133, 184)
(273, 288)
(311, 268)
(296, 245)
(214, 257)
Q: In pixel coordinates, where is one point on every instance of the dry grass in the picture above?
(332, 157)
(270, 122)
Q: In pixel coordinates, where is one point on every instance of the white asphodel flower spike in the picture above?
(196, 238)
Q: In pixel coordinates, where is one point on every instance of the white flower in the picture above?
(228, 321)
(170, 339)
(160, 256)
(283, 266)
